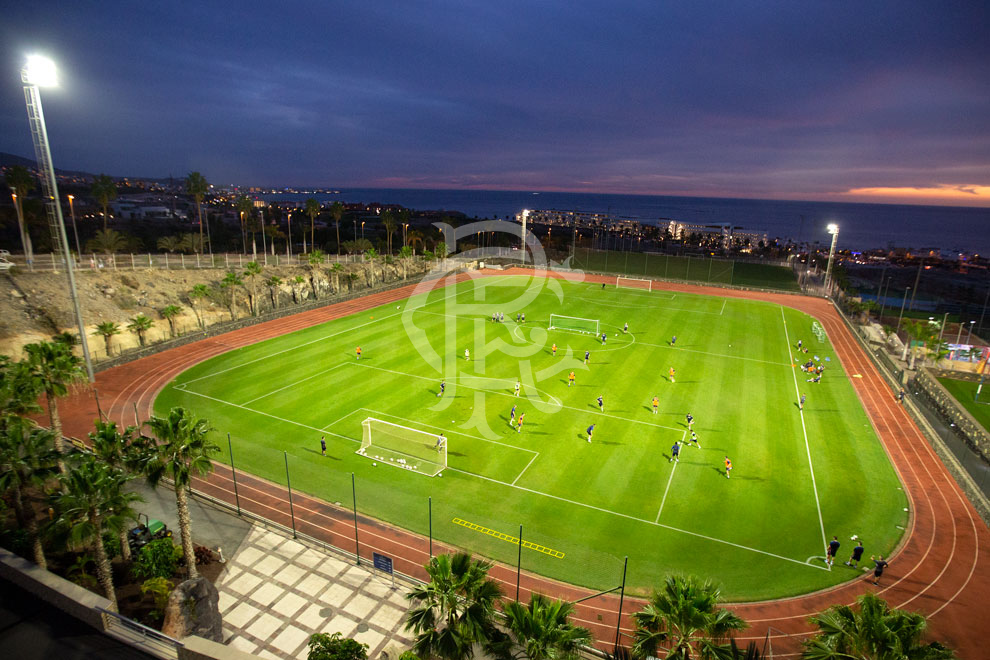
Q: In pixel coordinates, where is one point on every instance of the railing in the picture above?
(147, 639)
(99, 262)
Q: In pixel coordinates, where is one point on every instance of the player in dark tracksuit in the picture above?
(879, 565)
(833, 547)
(856, 555)
(675, 453)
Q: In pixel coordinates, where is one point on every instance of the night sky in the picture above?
(858, 101)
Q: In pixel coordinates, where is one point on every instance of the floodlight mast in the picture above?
(834, 230)
(40, 72)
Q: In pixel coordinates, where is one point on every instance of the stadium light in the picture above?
(834, 230)
(39, 72)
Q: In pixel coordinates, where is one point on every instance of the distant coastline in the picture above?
(862, 226)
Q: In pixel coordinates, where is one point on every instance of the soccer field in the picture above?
(797, 478)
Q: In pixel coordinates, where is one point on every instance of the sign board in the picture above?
(383, 563)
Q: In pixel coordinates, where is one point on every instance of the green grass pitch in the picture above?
(964, 392)
(796, 478)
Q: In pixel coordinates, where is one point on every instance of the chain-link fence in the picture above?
(47, 263)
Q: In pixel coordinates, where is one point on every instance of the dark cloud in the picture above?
(754, 99)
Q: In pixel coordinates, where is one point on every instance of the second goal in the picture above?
(633, 283)
(574, 323)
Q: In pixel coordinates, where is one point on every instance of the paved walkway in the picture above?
(276, 592)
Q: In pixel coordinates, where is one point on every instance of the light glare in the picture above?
(40, 71)
(833, 228)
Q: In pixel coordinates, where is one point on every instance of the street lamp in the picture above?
(288, 244)
(834, 230)
(72, 212)
(969, 338)
(405, 225)
(362, 229)
(39, 72)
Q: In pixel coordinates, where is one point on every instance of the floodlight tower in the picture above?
(834, 230)
(39, 72)
(522, 235)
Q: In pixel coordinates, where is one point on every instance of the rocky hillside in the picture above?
(35, 306)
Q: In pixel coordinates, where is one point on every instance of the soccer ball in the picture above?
(374, 465)
(397, 307)
(854, 537)
(617, 334)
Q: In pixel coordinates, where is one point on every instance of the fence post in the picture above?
(357, 543)
(226, 260)
(151, 264)
(96, 395)
(166, 261)
(519, 564)
(710, 262)
(622, 595)
(431, 526)
(233, 474)
(182, 256)
(197, 260)
(292, 513)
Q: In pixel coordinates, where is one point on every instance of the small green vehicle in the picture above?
(147, 531)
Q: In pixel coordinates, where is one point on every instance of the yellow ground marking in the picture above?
(509, 539)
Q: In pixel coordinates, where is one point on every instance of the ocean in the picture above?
(861, 226)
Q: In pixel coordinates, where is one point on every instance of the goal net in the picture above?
(818, 331)
(403, 447)
(634, 283)
(574, 323)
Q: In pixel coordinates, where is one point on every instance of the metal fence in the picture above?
(138, 635)
(49, 262)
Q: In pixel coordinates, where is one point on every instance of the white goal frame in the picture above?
(403, 447)
(818, 331)
(619, 283)
(554, 326)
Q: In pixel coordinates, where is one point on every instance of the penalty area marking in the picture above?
(509, 539)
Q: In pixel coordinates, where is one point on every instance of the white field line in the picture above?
(669, 480)
(518, 476)
(303, 380)
(529, 490)
(654, 307)
(718, 355)
(506, 394)
(657, 293)
(804, 430)
(724, 300)
(313, 341)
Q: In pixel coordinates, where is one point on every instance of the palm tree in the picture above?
(455, 609)
(197, 186)
(370, 255)
(684, 619)
(543, 631)
(918, 331)
(70, 339)
(191, 243)
(388, 221)
(94, 501)
(244, 208)
(196, 295)
(170, 244)
(273, 283)
(108, 241)
(140, 325)
(335, 271)
(874, 632)
(27, 458)
(107, 329)
(312, 210)
(54, 367)
(252, 271)
(228, 285)
(127, 451)
(18, 390)
(315, 260)
(405, 256)
(169, 312)
(21, 183)
(104, 190)
(337, 213)
(414, 239)
(183, 449)
(296, 282)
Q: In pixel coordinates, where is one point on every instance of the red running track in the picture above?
(939, 568)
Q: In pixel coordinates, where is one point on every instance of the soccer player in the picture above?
(603, 286)
(587, 356)
(728, 467)
(494, 314)
(601, 403)
(443, 386)
(591, 432)
(833, 547)
(801, 403)
(359, 352)
(694, 439)
(675, 452)
(512, 416)
(816, 379)
(517, 317)
(554, 349)
(670, 374)
(604, 338)
(900, 396)
(879, 565)
(524, 317)
(501, 317)
(323, 445)
(467, 354)
(673, 340)
(690, 420)
(518, 385)
(570, 379)
(656, 404)
(856, 555)
(441, 442)
(799, 344)
(625, 328)
(522, 416)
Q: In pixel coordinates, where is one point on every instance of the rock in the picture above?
(109, 291)
(16, 293)
(193, 609)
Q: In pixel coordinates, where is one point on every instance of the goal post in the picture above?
(403, 447)
(818, 331)
(634, 283)
(574, 323)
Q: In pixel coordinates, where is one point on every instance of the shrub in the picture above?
(157, 559)
(333, 647)
(159, 588)
(204, 556)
